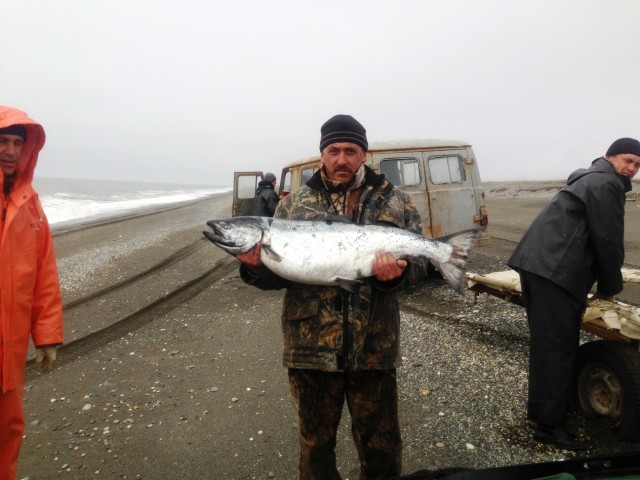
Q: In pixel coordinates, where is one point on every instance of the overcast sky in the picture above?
(189, 91)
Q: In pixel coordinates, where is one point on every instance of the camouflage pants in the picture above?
(372, 399)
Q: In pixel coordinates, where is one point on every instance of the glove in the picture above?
(46, 358)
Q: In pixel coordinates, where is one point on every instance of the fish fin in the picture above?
(454, 269)
(351, 286)
(266, 246)
(270, 253)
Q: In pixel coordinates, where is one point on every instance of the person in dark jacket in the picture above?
(575, 241)
(341, 346)
(266, 199)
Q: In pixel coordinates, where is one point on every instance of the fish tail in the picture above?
(454, 269)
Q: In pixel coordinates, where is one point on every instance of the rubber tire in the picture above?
(620, 364)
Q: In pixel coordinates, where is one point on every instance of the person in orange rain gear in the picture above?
(30, 301)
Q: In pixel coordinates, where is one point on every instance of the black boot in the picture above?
(560, 438)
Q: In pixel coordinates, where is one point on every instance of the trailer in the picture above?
(608, 379)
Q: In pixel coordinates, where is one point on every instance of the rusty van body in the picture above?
(442, 177)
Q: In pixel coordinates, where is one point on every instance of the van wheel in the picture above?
(609, 385)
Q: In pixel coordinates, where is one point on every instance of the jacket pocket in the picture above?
(300, 323)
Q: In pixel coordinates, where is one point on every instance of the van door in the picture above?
(452, 196)
(405, 171)
(244, 189)
(285, 182)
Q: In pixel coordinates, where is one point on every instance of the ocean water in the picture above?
(68, 201)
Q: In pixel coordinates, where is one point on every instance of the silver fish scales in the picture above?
(331, 252)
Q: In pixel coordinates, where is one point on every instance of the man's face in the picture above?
(10, 150)
(626, 164)
(342, 160)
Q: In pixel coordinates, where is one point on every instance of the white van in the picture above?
(442, 176)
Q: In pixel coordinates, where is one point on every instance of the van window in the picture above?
(286, 186)
(446, 170)
(247, 187)
(306, 175)
(401, 171)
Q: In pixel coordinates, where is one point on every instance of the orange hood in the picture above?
(35, 141)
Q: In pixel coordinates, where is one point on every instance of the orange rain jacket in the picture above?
(30, 301)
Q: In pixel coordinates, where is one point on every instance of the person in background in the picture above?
(266, 199)
(341, 346)
(30, 301)
(575, 241)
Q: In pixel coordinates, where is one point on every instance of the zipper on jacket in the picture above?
(342, 357)
(5, 204)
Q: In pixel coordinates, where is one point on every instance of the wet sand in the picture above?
(200, 393)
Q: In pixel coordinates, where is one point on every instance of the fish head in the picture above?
(236, 235)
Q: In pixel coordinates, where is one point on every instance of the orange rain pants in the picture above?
(11, 426)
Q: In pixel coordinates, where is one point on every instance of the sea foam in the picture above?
(70, 201)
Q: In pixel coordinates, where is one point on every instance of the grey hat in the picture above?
(343, 128)
(624, 145)
(269, 177)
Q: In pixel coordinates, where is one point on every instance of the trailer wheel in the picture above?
(609, 385)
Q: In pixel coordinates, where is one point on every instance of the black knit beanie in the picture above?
(343, 128)
(15, 130)
(624, 145)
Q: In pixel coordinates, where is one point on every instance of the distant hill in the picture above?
(539, 189)
(536, 188)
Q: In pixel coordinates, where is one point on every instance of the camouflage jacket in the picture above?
(313, 318)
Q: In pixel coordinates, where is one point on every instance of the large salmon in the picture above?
(331, 252)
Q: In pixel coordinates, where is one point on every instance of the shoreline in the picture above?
(68, 226)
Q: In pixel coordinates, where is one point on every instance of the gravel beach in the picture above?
(197, 391)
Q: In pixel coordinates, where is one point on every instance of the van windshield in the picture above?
(306, 174)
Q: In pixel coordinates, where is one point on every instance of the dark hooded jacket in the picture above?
(265, 200)
(312, 315)
(578, 237)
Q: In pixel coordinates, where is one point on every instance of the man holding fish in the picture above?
(339, 257)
